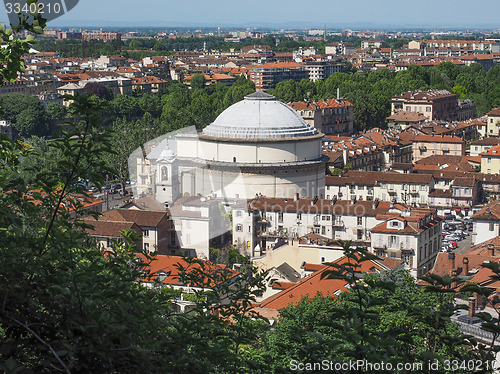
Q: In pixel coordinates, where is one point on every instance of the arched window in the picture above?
(164, 173)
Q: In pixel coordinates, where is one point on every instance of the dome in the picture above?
(259, 116)
(167, 155)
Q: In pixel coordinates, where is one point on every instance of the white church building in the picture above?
(258, 146)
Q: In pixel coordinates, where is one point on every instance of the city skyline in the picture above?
(363, 13)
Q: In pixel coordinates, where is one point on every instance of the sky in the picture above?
(284, 13)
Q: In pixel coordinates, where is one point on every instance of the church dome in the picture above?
(166, 155)
(259, 116)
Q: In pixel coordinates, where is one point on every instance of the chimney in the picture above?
(472, 306)
(315, 200)
(465, 261)
(451, 260)
(296, 197)
(491, 249)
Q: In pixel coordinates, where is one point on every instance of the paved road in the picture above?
(111, 201)
(465, 244)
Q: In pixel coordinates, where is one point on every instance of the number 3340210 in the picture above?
(33, 8)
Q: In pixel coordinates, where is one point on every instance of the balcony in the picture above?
(316, 222)
(272, 234)
(338, 224)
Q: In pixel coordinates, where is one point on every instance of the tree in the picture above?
(55, 111)
(97, 89)
(381, 318)
(66, 306)
(26, 113)
(198, 81)
(32, 121)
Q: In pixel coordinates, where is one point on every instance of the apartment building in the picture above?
(410, 189)
(403, 119)
(413, 235)
(493, 124)
(321, 70)
(155, 226)
(263, 224)
(200, 223)
(490, 160)
(433, 145)
(486, 223)
(107, 233)
(268, 75)
(433, 104)
(330, 116)
(475, 45)
(482, 145)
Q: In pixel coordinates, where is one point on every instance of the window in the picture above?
(188, 239)
(280, 217)
(172, 238)
(395, 224)
(323, 230)
(428, 109)
(492, 226)
(323, 259)
(238, 213)
(423, 187)
(393, 240)
(360, 221)
(239, 227)
(146, 247)
(164, 173)
(299, 215)
(408, 108)
(489, 160)
(145, 233)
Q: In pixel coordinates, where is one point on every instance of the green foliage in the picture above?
(198, 81)
(55, 111)
(371, 92)
(26, 113)
(381, 318)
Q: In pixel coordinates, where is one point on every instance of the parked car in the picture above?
(93, 189)
(449, 217)
(452, 238)
(453, 243)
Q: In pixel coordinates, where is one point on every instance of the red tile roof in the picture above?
(494, 112)
(490, 212)
(315, 284)
(110, 229)
(438, 139)
(144, 218)
(320, 104)
(493, 151)
(169, 265)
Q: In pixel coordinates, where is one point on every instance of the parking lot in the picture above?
(465, 243)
